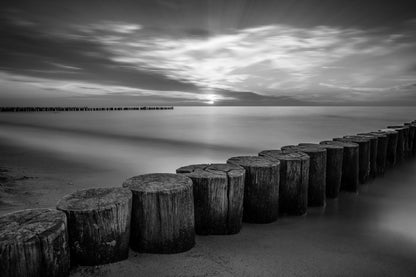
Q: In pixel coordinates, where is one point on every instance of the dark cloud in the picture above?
(27, 50)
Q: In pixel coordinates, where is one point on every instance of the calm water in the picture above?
(149, 141)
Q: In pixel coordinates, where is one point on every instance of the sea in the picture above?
(163, 140)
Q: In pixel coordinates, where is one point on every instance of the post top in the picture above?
(340, 143)
(93, 199)
(282, 155)
(308, 149)
(211, 170)
(387, 130)
(377, 134)
(158, 182)
(28, 225)
(398, 127)
(252, 161)
(356, 139)
(369, 136)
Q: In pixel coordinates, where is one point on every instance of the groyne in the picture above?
(81, 109)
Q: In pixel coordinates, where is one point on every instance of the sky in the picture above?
(191, 52)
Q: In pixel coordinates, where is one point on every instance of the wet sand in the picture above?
(372, 233)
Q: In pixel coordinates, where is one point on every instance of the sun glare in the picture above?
(210, 99)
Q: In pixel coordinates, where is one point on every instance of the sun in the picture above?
(210, 99)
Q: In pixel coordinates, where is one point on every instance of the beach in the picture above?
(372, 233)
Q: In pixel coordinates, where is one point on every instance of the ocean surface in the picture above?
(161, 141)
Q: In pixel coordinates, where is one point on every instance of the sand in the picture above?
(372, 233)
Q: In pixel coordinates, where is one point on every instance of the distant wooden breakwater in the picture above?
(81, 109)
(162, 212)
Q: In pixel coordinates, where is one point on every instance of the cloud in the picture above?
(266, 59)
(370, 89)
(116, 27)
(269, 63)
(72, 55)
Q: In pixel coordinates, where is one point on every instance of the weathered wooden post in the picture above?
(334, 156)
(350, 164)
(261, 188)
(294, 180)
(98, 224)
(373, 153)
(34, 243)
(218, 197)
(406, 140)
(364, 155)
(412, 138)
(163, 213)
(382, 143)
(317, 173)
(392, 137)
(400, 142)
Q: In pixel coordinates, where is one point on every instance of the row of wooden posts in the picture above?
(82, 109)
(161, 212)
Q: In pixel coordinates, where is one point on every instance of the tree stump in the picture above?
(34, 243)
(294, 180)
(218, 197)
(261, 188)
(364, 155)
(350, 164)
(400, 142)
(412, 138)
(98, 224)
(373, 153)
(334, 157)
(317, 173)
(163, 218)
(382, 144)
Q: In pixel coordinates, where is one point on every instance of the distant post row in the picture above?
(162, 212)
(81, 109)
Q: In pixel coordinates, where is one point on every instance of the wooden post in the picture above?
(406, 133)
(34, 243)
(412, 138)
(406, 140)
(364, 155)
(334, 157)
(350, 164)
(373, 153)
(382, 143)
(392, 136)
(98, 224)
(261, 188)
(400, 142)
(317, 173)
(218, 197)
(294, 179)
(163, 213)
